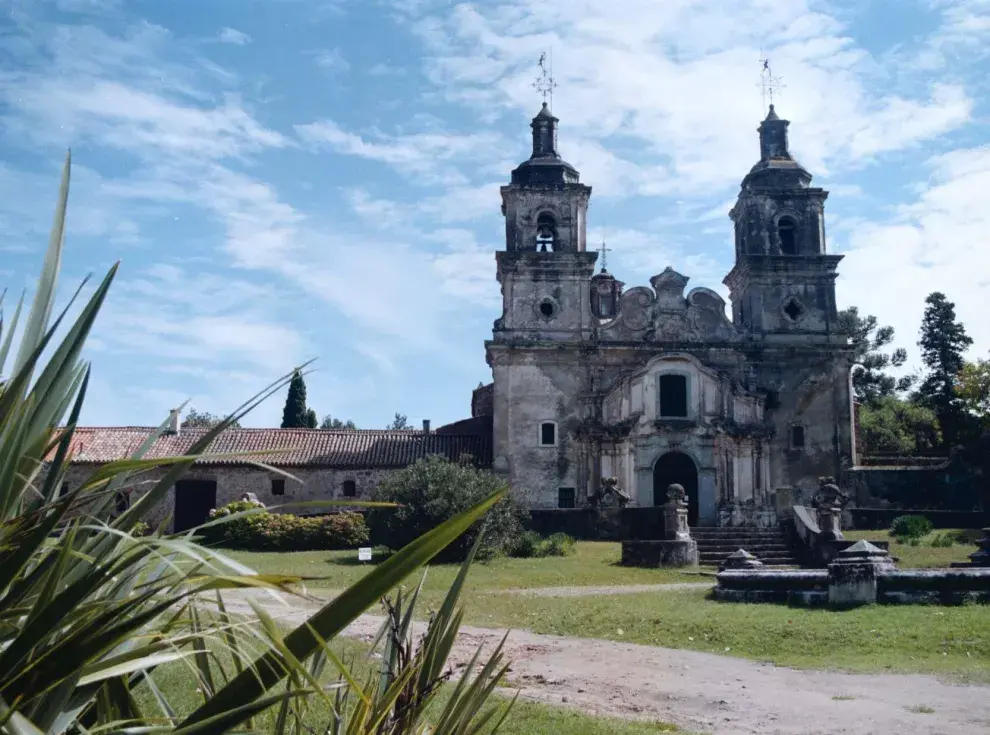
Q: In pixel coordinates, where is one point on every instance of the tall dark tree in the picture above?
(295, 415)
(943, 342)
(871, 380)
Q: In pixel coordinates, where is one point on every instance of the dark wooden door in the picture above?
(677, 468)
(194, 499)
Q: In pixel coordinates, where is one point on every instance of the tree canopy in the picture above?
(893, 426)
(399, 422)
(871, 380)
(204, 420)
(329, 422)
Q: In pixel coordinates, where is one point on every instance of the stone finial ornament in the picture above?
(610, 494)
(829, 494)
(676, 494)
(740, 559)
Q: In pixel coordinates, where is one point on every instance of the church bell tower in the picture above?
(545, 269)
(783, 281)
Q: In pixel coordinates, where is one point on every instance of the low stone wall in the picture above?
(862, 574)
(943, 586)
(880, 518)
(587, 524)
(806, 587)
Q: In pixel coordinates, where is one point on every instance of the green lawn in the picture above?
(594, 564)
(924, 555)
(923, 639)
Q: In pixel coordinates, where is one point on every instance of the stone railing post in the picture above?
(675, 515)
(852, 577)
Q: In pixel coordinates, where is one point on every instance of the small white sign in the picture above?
(364, 553)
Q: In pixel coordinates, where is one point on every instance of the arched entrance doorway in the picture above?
(679, 468)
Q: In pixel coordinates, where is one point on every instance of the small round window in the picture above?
(547, 309)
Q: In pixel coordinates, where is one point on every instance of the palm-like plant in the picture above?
(90, 613)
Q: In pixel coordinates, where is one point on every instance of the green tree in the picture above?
(311, 421)
(893, 426)
(434, 489)
(943, 342)
(295, 415)
(973, 387)
(871, 380)
(399, 423)
(204, 420)
(329, 422)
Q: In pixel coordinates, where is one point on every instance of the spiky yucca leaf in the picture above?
(89, 614)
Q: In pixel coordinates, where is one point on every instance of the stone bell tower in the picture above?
(544, 269)
(783, 281)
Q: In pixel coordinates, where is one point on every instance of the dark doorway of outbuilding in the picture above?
(194, 499)
(676, 468)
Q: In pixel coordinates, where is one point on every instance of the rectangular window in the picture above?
(64, 490)
(673, 396)
(349, 489)
(278, 486)
(565, 497)
(548, 434)
(797, 437)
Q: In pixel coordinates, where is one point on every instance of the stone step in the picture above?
(735, 546)
(781, 561)
(754, 537)
(734, 532)
(730, 540)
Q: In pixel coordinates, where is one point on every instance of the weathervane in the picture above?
(768, 81)
(545, 83)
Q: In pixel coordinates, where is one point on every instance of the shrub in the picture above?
(264, 531)
(910, 527)
(434, 489)
(942, 541)
(530, 545)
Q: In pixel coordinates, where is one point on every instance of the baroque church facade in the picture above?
(659, 385)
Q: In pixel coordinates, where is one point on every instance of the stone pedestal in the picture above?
(829, 519)
(666, 553)
(852, 577)
(981, 558)
(675, 521)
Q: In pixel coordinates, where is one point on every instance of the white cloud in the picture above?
(233, 37)
(932, 244)
(331, 60)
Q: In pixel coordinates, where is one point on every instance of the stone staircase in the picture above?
(769, 545)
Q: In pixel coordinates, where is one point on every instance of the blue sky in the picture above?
(294, 179)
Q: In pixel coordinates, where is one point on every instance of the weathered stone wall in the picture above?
(810, 389)
(233, 482)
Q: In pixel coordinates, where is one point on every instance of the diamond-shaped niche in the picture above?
(793, 309)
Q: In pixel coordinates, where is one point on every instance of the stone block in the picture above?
(665, 553)
(852, 577)
(740, 559)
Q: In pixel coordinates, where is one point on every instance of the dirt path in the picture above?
(624, 589)
(706, 692)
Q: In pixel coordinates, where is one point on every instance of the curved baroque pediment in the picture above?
(665, 314)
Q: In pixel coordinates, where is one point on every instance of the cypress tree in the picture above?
(943, 342)
(295, 414)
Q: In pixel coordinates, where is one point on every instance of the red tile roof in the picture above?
(366, 449)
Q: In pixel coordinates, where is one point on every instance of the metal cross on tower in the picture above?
(768, 81)
(545, 83)
(604, 250)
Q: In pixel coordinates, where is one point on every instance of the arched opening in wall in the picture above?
(546, 232)
(676, 468)
(787, 232)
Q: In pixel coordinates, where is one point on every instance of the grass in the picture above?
(953, 641)
(924, 555)
(593, 564)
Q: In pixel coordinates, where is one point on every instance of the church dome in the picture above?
(545, 166)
